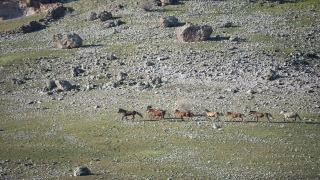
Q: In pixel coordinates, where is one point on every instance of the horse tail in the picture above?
(139, 114)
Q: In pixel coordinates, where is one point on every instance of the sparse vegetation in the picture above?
(46, 134)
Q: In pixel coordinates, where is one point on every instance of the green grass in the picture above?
(146, 149)
(18, 57)
(13, 23)
(279, 8)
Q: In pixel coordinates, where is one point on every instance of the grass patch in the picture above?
(13, 23)
(19, 56)
(275, 7)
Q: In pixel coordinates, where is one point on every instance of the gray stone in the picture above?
(193, 33)
(63, 85)
(81, 171)
(105, 15)
(67, 41)
(92, 16)
(169, 21)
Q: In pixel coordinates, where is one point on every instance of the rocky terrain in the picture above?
(260, 56)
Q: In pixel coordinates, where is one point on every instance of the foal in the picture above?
(126, 113)
(235, 115)
(256, 115)
(156, 112)
(183, 113)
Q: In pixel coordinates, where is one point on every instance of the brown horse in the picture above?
(156, 112)
(235, 115)
(256, 115)
(126, 113)
(183, 113)
(212, 114)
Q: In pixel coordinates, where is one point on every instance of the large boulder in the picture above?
(169, 21)
(54, 12)
(81, 171)
(63, 85)
(105, 15)
(67, 41)
(193, 33)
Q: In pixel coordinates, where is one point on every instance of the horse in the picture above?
(183, 113)
(291, 114)
(212, 114)
(235, 115)
(126, 113)
(256, 115)
(156, 112)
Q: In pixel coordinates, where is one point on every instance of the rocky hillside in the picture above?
(273, 63)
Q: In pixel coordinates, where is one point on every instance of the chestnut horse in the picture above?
(256, 115)
(156, 112)
(183, 113)
(235, 115)
(126, 113)
(212, 114)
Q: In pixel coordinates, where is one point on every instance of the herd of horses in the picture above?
(153, 113)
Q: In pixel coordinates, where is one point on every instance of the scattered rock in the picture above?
(216, 126)
(104, 16)
(54, 13)
(234, 38)
(166, 2)
(16, 81)
(112, 23)
(76, 71)
(226, 24)
(92, 16)
(51, 85)
(193, 33)
(271, 75)
(63, 85)
(81, 171)
(250, 91)
(169, 21)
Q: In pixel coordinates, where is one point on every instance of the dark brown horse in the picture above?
(235, 115)
(183, 113)
(126, 113)
(156, 112)
(256, 115)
